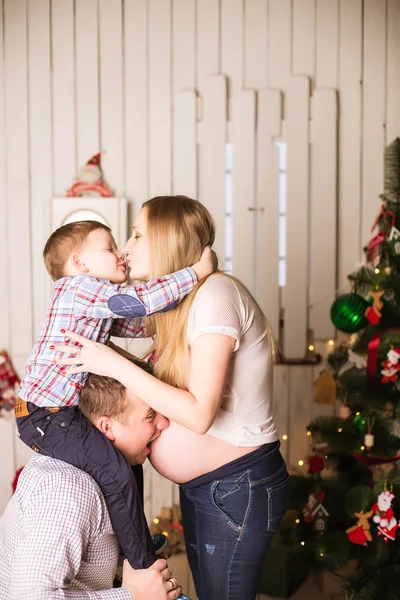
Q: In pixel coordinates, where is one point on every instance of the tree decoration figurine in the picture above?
(90, 181)
(360, 532)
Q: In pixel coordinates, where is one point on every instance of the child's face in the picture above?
(101, 257)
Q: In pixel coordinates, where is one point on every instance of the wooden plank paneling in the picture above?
(374, 113)
(281, 407)
(184, 38)
(160, 126)
(111, 93)
(40, 146)
(232, 43)
(256, 44)
(212, 156)
(243, 137)
(393, 75)
(304, 18)
(5, 330)
(185, 144)
(295, 297)
(63, 94)
(267, 185)
(17, 180)
(136, 102)
(323, 205)
(327, 49)
(208, 50)
(350, 108)
(301, 410)
(87, 80)
(280, 43)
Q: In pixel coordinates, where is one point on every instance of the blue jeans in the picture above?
(229, 523)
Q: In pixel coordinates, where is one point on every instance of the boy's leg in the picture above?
(69, 436)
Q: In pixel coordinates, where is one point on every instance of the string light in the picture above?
(331, 342)
(321, 553)
(340, 429)
(284, 437)
(376, 271)
(362, 448)
(357, 414)
(156, 521)
(309, 433)
(165, 533)
(303, 543)
(300, 463)
(311, 348)
(297, 521)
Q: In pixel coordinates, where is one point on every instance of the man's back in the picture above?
(56, 536)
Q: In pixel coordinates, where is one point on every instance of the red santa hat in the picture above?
(95, 160)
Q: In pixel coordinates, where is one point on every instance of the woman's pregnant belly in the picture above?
(180, 455)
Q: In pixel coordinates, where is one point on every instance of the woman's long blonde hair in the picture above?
(178, 229)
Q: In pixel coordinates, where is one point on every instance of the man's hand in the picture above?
(154, 583)
(207, 264)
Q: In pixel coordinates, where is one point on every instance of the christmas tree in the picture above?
(348, 508)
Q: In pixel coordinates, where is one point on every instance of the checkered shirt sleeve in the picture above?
(56, 540)
(92, 296)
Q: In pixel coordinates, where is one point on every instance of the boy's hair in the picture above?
(65, 240)
(105, 396)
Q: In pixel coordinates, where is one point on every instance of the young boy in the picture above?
(83, 260)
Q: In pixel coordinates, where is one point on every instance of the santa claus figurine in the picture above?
(384, 515)
(89, 181)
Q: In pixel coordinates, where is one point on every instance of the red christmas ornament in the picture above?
(358, 536)
(315, 464)
(372, 316)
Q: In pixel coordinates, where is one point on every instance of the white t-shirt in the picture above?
(223, 305)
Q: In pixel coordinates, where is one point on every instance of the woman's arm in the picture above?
(195, 408)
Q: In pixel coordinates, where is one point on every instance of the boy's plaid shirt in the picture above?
(80, 304)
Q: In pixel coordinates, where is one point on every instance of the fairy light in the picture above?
(309, 433)
(362, 448)
(377, 271)
(321, 553)
(311, 348)
(297, 521)
(340, 429)
(165, 533)
(300, 463)
(331, 343)
(156, 521)
(357, 414)
(284, 437)
(303, 543)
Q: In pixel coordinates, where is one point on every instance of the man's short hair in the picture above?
(105, 396)
(65, 240)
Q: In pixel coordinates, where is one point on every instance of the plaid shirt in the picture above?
(80, 304)
(56, 539)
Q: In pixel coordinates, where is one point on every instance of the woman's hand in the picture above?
(91, 357)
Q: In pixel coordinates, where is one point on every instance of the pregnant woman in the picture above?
(213, 359)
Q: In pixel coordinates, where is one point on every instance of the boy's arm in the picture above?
(129, 328)
(95, 298)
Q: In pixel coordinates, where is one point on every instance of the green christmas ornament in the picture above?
(348, 313)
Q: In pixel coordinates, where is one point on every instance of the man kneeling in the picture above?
(56, 539)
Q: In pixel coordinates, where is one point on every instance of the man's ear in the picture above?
(77, 262)
(105, 425)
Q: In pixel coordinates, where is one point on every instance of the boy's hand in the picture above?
(207, 264)
(154, 583)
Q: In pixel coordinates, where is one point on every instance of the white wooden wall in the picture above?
(162, 86)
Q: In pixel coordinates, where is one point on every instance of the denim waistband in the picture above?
(268, 452)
